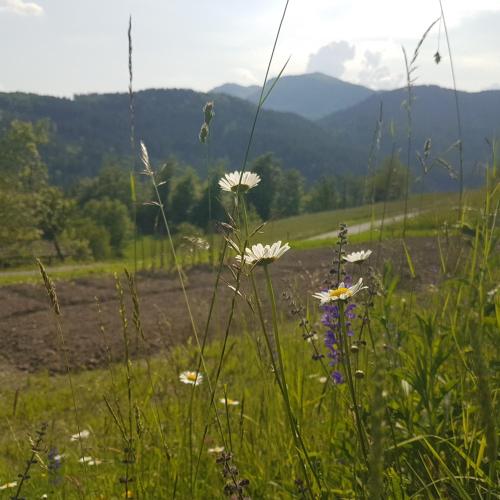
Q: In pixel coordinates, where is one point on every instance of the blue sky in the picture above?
(63, 47)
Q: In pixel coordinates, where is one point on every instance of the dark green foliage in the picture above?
(93, 235)
(54, 212)
(113, 216)
(433, 110)
(333, 192)
(113, 181)
(184, 197)
(92, 129)
(290, 193)
(23, 175)
(263, 198)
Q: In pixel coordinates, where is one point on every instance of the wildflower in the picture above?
(231, 182)
(190, 377)
(312, 337)
(216, 449)
(13, 484)
(229, 402)
(90, 461)
(80, 435)
(264, 254)
(333, 335)
(322, 380)
(340, 293)
(357, 257)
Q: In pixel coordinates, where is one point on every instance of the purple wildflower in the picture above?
(333, 340)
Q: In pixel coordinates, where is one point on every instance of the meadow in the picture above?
(373, 374)
(390, 392)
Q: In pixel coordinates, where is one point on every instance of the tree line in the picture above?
(96, 217)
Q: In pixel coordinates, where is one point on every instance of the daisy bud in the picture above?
(359, 374)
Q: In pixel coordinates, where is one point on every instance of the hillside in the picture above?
(312, 95)
(91, 128)
(433, 116)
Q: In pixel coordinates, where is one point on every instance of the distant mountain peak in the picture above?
(311, 95)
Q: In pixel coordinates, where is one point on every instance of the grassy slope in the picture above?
(294, 229)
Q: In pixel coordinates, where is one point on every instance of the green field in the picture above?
(436, 208)
(414, 416)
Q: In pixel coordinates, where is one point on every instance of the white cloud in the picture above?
(331, 59)
(375, 74)
(245, 76)
(21, 7)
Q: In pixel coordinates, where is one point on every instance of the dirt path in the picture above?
(364, 226)
(90, 309)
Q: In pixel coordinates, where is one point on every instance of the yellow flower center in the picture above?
(339, 291)
(191, 376)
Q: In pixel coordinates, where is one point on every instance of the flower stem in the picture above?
(347, 366)
(299, 443)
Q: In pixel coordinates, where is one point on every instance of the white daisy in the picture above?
(190, 377)
(84, 434)
(13, 484)
(340, 293)
(90, 461)
(216, 449)
(229, 402)
(357, 256)
(264, 254)
(231, 182)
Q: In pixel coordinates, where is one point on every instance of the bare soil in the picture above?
(29, 333)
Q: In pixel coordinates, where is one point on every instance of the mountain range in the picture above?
(90, 129)
(313, 95)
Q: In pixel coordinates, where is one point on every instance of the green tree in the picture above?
(23, 175)
(323, 195)
(264, 195)
(54, 212)
(113, 182)
(289, 194)
(113, 216)
(184, 197)
(20, 161)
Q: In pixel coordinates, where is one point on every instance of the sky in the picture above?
(67, 47)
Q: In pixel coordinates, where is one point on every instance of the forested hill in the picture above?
(91, 128)
(433, 115)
